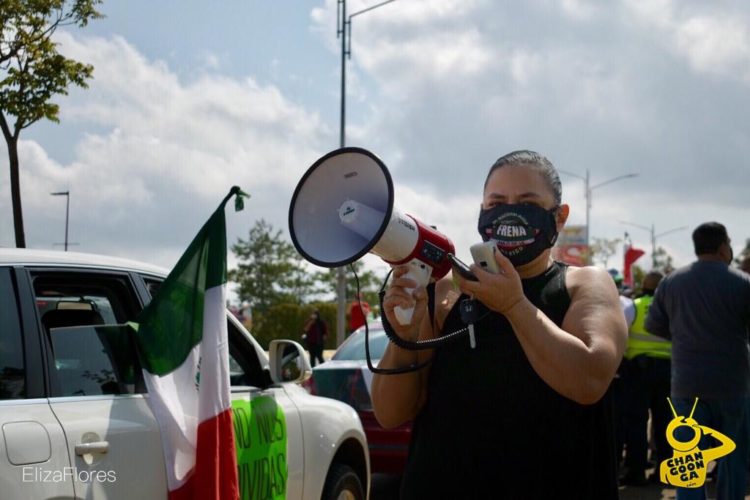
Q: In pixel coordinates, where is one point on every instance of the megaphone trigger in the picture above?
(420, 273)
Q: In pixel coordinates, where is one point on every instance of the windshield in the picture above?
(354, 348)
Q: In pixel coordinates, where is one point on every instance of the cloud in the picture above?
(653, 87)
(716, 45)
(580, 10)
(438, 90)
(211, 61)
(167, 153)
(501, 77)
(713, 39)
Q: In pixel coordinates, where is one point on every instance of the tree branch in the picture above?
(25, 125)
(4, 126)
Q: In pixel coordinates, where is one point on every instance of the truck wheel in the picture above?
(343, 483)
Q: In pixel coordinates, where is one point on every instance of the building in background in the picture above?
(571, 246)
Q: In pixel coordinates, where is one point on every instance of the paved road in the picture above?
(385, 487)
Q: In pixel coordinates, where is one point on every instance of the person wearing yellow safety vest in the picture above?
(646, 387)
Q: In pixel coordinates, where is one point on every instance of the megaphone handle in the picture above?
(419, 272)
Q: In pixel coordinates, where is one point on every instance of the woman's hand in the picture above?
(397, 295)
(501, 291)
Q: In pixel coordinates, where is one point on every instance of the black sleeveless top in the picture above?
(492, 428)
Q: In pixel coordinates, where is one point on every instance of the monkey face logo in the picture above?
(687, 467)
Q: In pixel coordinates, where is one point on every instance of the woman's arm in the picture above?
(578, 360)
(399, 398)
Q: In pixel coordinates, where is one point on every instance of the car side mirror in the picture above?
(287, 362)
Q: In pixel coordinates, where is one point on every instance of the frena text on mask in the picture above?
(522, 232)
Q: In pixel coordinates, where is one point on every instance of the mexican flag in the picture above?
(182, 341)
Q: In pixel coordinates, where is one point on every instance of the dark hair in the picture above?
(651, 281)
(540, 163)
(708, 237)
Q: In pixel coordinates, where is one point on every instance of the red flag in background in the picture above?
(631, 255)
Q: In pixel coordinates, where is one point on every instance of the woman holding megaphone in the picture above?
(522, 409)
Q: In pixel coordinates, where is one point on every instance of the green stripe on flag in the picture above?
(172, 324)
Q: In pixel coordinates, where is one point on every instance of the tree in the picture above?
(745, 253)
(33, 71)
(602, 249)
(662, 261)
(638, 275)
(369, 283)
(270, 271)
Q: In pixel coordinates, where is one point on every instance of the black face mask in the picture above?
(522, 232)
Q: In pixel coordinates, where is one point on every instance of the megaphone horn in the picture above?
(343, 208)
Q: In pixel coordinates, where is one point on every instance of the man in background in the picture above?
(704, 308)
(646, 388)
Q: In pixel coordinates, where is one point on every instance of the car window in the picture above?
(12, 370)
(152, 284)
(95, 360)
(72, 299)
(354, 348)
(244, 366)
(89, 358)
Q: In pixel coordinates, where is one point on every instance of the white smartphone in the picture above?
(484, 256)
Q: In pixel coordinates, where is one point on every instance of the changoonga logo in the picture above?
(687, 467)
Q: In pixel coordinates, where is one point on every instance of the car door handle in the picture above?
(95, 447)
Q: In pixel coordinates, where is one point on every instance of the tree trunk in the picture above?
(15, 192)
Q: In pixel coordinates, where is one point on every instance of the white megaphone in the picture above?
(342, 209)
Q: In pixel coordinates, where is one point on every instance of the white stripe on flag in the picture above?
(178, 405)
(215, 356)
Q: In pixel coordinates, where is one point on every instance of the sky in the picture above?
(189, 98)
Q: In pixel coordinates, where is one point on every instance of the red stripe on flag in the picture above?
(215, 474)
(631, 255)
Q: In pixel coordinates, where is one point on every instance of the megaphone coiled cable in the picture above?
(398, 341)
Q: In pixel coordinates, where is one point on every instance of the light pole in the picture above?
(344, 30)
(654, 236)
(588, 188)
(67, 212)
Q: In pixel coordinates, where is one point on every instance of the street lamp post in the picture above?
(654, 236)
(67, 212)
(588, 188)
(344, 30)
